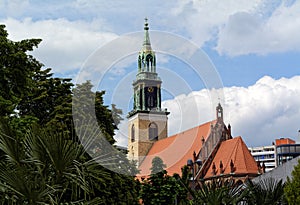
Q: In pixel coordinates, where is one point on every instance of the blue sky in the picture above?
(253, 45)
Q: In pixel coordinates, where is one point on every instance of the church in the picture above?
(208, 149)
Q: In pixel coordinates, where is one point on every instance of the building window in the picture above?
(150, 101)
(153, 131)
(132, 134)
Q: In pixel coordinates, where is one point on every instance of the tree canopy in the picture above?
(292, 187)
(42, 159)
(161, 188)
(17, 69)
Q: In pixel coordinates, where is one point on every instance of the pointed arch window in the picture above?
(132, 133)
(153, 131)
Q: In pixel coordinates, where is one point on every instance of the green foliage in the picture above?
(29, 94)
(47, 167)
(49, 102)
(157, 166)
(292, 187)
(116, 115)
(47, 164)
(160, 188)
(266, 191)
(218, 192)
(87, 103)
(16, 71)
(184, 189)
(49, 99)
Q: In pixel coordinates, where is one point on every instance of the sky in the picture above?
(243, 54)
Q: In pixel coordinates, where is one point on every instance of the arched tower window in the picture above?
(153, 131)
(132, 134)
(219, 111)
(149, 62)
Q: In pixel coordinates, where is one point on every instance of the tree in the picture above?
(16, 71)
(184, 189)
(266, 191)
(29, 94)
(116, 115)
(159, 188)
(219, 192)
(87, 104)
(47, 164)
(158, 166)
(42, 168)
(46, 167)
(292, 187)
(49, 101)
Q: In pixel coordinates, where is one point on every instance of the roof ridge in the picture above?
(243, 146)
(191, 128)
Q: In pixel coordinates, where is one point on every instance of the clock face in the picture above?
(150, 89)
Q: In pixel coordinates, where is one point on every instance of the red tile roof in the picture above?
(236, 150)
(176, 150)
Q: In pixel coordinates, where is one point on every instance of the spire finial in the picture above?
(147, 38)
(146, 24)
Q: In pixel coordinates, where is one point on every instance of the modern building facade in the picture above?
(271, 156)
(266, 155)
(286, 149)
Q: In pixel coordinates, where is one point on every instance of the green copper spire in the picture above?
(147, 85)
(146, 59)
(146, 44)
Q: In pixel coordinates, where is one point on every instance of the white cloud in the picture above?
(236, 28)
(66, 44)
(240, 28)
(202, 19)
(260, 113)
(267, 110)
(246, 32)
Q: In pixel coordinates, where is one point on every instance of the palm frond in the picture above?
(11, 147)
(24, 185)
(266, 191)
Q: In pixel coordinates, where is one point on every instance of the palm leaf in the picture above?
(24, 185)
(11, 148)
(266, 191)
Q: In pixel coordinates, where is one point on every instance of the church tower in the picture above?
(147, 122)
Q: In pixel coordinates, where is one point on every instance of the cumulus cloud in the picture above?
(260, 113)
(259, 26)
(246, 32)
(66, 44)
(203, 19)
(267, 110)
(73, 30)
